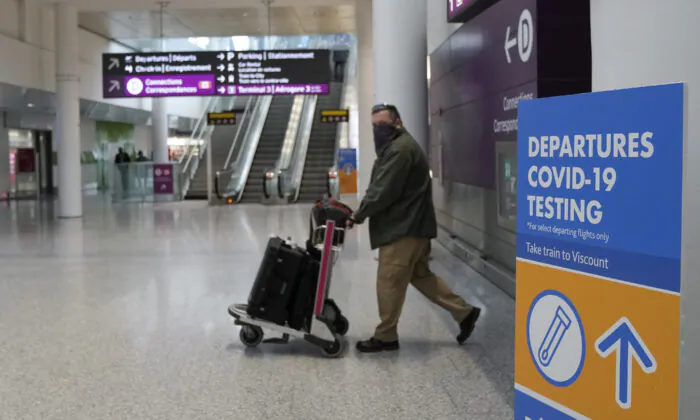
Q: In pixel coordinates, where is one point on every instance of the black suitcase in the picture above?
(302, 305)
(276, 281)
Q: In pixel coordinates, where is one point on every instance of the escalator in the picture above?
(320, 154)
(269, 147)
(221, 140)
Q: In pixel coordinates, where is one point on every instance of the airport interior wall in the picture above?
(663, 54)
(27, 34)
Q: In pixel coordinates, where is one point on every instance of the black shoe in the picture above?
(374, 346)
(466, 327)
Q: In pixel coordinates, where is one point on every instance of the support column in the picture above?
(365, 93)
(159, 120)
(400, 61)
(662, 55)
(70, 199)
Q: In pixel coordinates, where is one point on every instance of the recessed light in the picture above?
(30, 105)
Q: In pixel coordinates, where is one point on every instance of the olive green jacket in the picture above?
(399, 199)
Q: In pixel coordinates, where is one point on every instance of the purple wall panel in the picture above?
(468, 92)
(440, 62)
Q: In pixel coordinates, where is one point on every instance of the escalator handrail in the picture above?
(217, 189)
(246, 113)
(280, 192)
(187, 157)
(265, 192)
(304, 137)
(328, 183)
(284, 160)
(228, 174)
(251, 146)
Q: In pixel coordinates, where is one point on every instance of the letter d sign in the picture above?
(526, 35)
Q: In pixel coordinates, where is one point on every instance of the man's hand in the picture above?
(351, 222)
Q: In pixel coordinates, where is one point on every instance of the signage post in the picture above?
(598, 306)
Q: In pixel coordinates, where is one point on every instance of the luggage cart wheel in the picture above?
(251, 335)
(341, 324)
(334, 350)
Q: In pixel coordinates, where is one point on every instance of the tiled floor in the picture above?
(122, 315)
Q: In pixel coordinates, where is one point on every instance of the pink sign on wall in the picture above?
(163, 180)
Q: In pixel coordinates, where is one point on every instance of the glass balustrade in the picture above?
(146, 182)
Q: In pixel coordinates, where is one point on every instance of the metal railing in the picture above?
(249, 106)
(230, 182)
(279, 182)
(292, 187)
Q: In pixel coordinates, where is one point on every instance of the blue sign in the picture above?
(602, 175)
(347, 166)
(599, 202)
(347, 159)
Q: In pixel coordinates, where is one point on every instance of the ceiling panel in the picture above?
(251, 21)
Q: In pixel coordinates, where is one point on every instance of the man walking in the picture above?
(402, 222)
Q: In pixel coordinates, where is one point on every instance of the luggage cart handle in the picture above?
(326, 211)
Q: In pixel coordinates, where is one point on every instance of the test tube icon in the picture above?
(552, 339)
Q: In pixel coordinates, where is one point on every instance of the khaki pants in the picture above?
(407, 261)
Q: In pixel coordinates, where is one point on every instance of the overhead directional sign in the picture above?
(209, 73)
(335, 115)
(463, 10)
(599, 229)
(221, 118)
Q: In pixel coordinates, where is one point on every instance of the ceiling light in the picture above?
(30, 105)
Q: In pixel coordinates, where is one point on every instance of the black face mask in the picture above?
(383, 135)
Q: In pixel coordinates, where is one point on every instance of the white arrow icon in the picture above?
(510, 43)
(221, 79)
(221, 67)
(113, 63)
(624, 340)
(222, 90)
(114, 85)
(221, 56)
(523, 39)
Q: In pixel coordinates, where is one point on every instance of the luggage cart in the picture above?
(328, 325)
